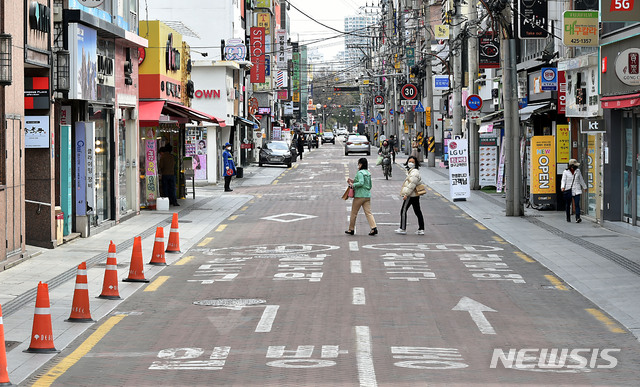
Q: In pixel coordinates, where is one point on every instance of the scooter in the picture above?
(386, 166)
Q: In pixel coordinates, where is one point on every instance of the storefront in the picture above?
(620, 74)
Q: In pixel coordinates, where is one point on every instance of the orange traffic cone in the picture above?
(4, 373)
(173, 246)
(110, 283)
(136, 269)
(157, 258)
(80, 311)
(42, 332)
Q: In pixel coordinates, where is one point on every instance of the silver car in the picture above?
(357, 144)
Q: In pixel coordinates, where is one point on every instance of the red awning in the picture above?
(149, 112)
(620, 101)
(195, 115)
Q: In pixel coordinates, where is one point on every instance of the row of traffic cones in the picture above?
(42, 332)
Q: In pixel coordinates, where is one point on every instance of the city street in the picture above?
(277, 294)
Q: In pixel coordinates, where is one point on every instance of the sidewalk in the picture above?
(602, 263)
(58, 268)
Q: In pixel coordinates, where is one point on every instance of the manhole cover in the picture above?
(230, 302)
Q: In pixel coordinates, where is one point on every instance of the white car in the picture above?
(357, 144)
(342, 132)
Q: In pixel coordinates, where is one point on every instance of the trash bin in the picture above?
(239, 172)
(59, 226)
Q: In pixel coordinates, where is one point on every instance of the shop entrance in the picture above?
(631, 171)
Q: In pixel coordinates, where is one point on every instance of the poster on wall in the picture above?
(90, 165)
(36, 132)
(500, 182)
(459, 169)
(488, 161)
(199, 165)
(86, 64)
(563, 143)
(543, 169)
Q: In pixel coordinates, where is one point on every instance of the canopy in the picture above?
(150, 112)
(527, 111)
(620, 101)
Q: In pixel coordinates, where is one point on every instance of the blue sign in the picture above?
(378, 117)
(419, 108)
(474, 102)
(267, 65)
(549, 79)
(391, 111)
(441, 82)
(401, 109)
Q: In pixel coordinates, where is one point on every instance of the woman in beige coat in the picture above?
(410, 197)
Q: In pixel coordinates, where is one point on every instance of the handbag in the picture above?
(379, 161)
(568, 193)
(348, 193)
(421, 189)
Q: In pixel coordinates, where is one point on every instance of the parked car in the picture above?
(357, 144)
(275, 152)
(342, 132)
(328, 137)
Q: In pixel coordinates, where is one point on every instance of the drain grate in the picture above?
(231, 302)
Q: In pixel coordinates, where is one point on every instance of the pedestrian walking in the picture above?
(229, 167)
(361, 185)
(394, 147)
(572, 186)
(167, 167)
(300, 144)
(410, 198)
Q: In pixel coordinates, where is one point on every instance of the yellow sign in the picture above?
(442, 31)
(543, 165)
(427, 116)
(406, 128)
(580, 29)
(296, 96)
(263, 4)
(563, 143)
(263, 19)
(365, 81)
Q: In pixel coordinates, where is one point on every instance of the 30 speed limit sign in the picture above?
(409, 91)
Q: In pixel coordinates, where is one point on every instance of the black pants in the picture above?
(227, 181)
(169, 188)
(415, 202)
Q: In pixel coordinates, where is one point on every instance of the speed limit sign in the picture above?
(378, 100)
(409, 91)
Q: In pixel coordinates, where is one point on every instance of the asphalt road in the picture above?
(278, 295)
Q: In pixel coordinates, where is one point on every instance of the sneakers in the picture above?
(401, 231)
(420, 232)
(578, 220)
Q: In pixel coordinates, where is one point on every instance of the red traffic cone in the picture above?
(4, 372)
(173, 246)
(80, 311)
(42, 332)
(110, 283)
(157, 257)
(136, 269)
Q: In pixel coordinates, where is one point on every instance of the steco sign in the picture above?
(257, 43)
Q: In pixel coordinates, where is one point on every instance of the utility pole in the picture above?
(474, 137)
(428, 83)
(457, 69)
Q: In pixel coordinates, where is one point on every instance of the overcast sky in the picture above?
(330, 12)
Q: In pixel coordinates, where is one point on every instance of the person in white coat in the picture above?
(572, 186)
(410, 197)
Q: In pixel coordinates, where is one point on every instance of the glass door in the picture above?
(628, 172)
(123, 206)
(637, 168)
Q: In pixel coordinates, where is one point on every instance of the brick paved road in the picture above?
(296, 302)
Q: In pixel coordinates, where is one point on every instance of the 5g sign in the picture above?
(619, 10)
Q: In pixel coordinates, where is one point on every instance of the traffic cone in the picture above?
(173, 246)
(4, 367)
(157, 257)
(80, 311)
(136, 269)
(42, 332)
(110, 283)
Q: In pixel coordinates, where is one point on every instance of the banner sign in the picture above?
(489, 46)
(533, 17)
(459, 169)
(543, 169)
(36, 131)
(281, 49)
(257, 54)
(563, 144)
(263, 19)
(488, 161)
(151, 170)
(562, 93)
(580, 28)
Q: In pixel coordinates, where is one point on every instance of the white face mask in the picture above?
(411, 165)
(228, 148)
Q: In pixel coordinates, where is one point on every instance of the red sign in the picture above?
(207, 94)
(257, 55)
(409, 91)
(378, 100)
(246, 146)
(621, 5)
(562, 93)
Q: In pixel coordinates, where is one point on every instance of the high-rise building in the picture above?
(358, 30)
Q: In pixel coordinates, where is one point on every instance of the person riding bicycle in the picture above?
(386, 152)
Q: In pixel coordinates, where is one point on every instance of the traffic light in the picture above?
(128, 68)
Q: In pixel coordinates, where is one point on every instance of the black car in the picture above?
(328, 137)
(275, 152)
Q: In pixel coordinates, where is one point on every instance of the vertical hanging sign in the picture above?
(543, 169)
(459, 169)
(563, 143)
(90, 140)
(257, 55)
(81, 176)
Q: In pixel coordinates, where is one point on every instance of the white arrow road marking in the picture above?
(358, 296)
(268, 316)
(476, 310)
(366, 371)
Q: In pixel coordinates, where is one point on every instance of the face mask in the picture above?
(411, 165)
(228, 148)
